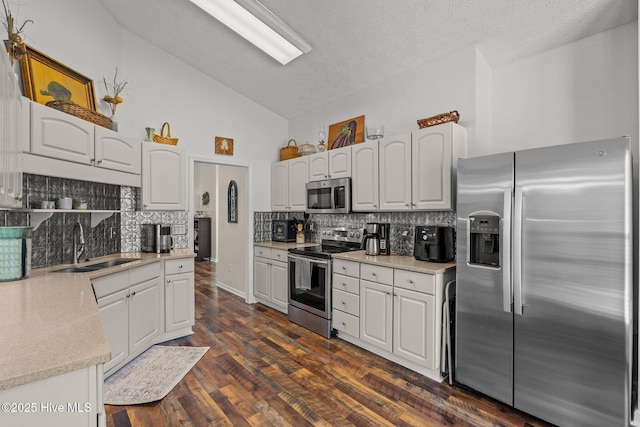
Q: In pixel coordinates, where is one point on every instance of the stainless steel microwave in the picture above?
(329, 196)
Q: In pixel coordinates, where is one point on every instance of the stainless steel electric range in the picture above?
(310, 270)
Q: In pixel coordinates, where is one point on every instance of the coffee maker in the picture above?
(156, 238)
(377, 240)
(433, 243)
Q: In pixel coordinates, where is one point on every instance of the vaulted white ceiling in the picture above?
(359, 42)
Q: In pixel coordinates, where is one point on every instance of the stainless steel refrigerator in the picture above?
(544, 302)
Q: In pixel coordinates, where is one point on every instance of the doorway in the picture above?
(216, 188)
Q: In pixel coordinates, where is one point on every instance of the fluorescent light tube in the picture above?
(250, 27)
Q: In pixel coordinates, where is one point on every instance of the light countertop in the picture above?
(403, 262)
(50, 323)
(282, 245)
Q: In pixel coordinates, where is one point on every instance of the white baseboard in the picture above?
(230, 289)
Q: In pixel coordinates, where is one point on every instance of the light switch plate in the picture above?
(179, 229)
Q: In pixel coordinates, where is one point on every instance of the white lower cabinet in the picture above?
(346, 297)
(73, 399)
(138, 312)
(179, 294)
(270, 272)
(131, 316)
(392, 312)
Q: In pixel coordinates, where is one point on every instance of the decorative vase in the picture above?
(150, 132)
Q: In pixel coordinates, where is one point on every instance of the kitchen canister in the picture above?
(15, 253)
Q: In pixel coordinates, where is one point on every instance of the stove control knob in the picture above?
(357, 235)
(351, 234)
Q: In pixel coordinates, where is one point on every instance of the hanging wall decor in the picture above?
(232, 199)
(224, 145)
(346, 133)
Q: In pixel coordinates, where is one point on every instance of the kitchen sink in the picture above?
(94, 267)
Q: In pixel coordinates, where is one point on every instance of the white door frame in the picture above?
(249, 298)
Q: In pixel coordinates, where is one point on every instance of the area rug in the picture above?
(151, 376)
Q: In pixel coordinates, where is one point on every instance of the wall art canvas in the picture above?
(346, 133)
(45, 80)
(224, 145)
(232, 200)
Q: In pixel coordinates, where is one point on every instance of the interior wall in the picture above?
(205, 180)
(232, 266)
(82, 35)
(581, 91)
(398, 102)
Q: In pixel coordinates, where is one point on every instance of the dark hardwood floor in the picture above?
(263, 370)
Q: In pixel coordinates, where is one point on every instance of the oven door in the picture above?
(310, 284)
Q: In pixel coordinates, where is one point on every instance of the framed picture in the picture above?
(346, 133)
(224, 145)
(45, 80)
(232, 201)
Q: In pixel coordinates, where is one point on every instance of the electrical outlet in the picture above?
(179, 229)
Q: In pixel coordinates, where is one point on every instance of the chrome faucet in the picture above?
(77, 252)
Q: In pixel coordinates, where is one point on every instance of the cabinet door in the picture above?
(11, 137)
(179, 301)
(114, 311)
(414, 326)
(145, 314)
(376, 308)
(280, 285)
(298, 178)
(319, 166)
(163, 177)
(364, 182)
(60, 135)
(116, 153)
(280, 186)
(340, 163)
(431, 171)
(262, 278)
(395, 173)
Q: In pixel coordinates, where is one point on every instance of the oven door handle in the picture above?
(313, 260)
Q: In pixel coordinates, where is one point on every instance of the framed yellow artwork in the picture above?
(45, 80)
(224, 145)
(346, 133)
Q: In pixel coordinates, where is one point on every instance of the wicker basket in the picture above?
(83, 113)
(161, 139)
(452, 116)
(290, 151)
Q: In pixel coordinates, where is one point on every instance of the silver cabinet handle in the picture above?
(411, 281)
(92, 160)
(169, 281)
(133, 293)
(180, 266)
(100, 161)
(344, 303)
(373, 274)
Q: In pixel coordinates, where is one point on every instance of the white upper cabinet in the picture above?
(395, 173)
(330, 164)
(364, 170)
(164, 177)
(112, 151)
(11, 136)
(417, 171)
(288, 184)
(62, 136)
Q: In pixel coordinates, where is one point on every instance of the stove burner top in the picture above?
(334, 241)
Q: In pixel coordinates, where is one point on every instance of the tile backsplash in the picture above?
(402, 224)
(52, 241)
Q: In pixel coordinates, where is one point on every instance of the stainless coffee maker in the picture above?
(377, 240)
(372, 239)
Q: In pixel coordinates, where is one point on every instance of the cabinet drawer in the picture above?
(346, 302)
(144, 273)
(181, 265)
(346, 323)
(261, 251)
(348, 268)
(279, 255)
(346, 283)
(419, 282)
(375, 273)
(107, 285)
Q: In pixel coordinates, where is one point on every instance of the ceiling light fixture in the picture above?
(258, 25)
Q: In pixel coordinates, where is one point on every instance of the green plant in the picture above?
(205, 198)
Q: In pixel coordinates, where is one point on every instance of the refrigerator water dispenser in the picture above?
(484, 236)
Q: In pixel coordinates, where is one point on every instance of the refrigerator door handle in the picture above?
(517, 252)
(506, 251)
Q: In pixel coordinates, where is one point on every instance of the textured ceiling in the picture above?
(358, 42)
